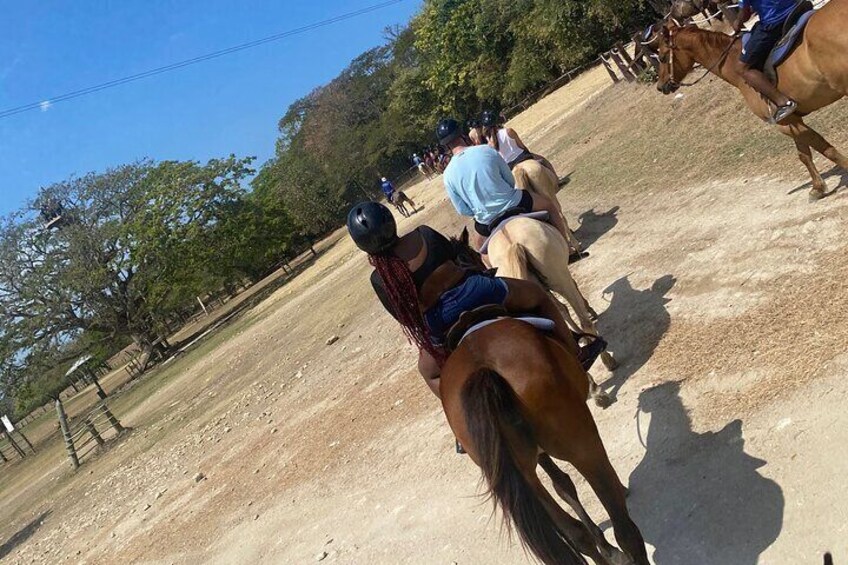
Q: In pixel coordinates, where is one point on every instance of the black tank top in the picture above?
(439, 252)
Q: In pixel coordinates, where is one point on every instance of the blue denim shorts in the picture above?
(476, 291)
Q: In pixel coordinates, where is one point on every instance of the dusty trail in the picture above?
(724, 300)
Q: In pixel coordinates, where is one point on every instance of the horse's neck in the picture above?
(713, 51)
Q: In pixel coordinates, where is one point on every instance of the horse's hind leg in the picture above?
(806, 138)
(572, 530)
(595, 466)
(566, 490)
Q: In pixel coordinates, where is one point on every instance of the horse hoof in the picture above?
(603, 400)
(816, 195)
(609, 362)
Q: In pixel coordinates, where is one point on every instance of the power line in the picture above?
(193, 61)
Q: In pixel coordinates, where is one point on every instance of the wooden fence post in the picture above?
(66, 433)
(93, 431)
(626, 56)
(611, 72)
(21, 433)
(112, 420)
(615, 55)
(100, 392)
(13, 443)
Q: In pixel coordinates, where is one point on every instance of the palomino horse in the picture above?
(814, 75)
(514, 399)
(531, 250)
(535, 177)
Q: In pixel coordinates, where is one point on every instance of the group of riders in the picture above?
(424, 280)
(417, 275)
(431, 161)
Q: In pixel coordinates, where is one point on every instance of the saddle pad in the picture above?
(541, 216)
(786, 45)
(541, 324)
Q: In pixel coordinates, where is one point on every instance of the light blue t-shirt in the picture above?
(479, 184)
(771, 11)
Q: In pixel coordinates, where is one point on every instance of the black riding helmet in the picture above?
(489, 119)
(372, 227)
(448, 130)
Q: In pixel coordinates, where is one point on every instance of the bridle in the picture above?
(707, 71)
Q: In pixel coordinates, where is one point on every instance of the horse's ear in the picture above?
(463, 237)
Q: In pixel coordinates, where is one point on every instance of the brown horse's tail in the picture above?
(493, 418)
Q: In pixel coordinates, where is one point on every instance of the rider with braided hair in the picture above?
(419, 282)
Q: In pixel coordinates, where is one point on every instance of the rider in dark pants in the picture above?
(765, 35)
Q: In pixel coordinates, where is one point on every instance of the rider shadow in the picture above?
(23, 534)
(698, 497)
(633, 324)
(835, 171)
(593, 225)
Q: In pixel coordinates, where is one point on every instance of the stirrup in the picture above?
(783, 112)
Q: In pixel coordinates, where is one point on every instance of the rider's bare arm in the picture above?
(514, 135)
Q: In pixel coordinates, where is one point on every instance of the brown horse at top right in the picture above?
(815, 75)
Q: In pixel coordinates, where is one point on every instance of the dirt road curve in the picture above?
(725, 302)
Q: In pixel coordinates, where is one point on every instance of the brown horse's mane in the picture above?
(714, 39)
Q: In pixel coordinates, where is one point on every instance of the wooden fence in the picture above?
(87, 433)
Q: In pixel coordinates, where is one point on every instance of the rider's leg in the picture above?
(758, 81)
(430, 370)
(544, 204)
(528, 296)
(476, 239)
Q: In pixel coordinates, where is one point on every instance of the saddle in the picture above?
(477, 319)
(507, 217)
(793, 30)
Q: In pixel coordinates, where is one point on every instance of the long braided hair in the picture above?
(402, 295)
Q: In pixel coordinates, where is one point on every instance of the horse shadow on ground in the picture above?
(698, 497)
(23, 534)
(835, 171)
(593, 225)
(633, 324)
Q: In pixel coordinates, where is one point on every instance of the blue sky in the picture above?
(227, 105)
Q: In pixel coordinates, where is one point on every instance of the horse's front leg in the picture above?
(806, 156)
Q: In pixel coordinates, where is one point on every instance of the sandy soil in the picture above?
(723, 298)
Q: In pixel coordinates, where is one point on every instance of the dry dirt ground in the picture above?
(721, 291)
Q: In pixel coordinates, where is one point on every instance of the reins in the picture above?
(710, 69)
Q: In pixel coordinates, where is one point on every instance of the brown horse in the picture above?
(399, 200)
(814, 75)
(516, 399)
